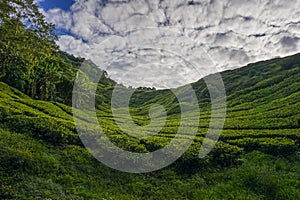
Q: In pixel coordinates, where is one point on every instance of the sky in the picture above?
(169, 43)
(62, 4)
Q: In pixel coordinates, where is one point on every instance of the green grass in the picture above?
(256, 157)
(31, 170)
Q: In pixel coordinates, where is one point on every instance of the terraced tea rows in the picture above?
(262, 116)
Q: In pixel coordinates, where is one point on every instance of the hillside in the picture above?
(256, 157)
(43, 154)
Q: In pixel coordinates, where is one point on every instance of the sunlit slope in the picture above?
(262, 113)
(262, 107)
(49, 121)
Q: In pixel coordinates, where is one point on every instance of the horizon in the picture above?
(234, 35)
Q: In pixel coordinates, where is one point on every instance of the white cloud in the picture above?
(195, 37)
(60, 18)
(38, 1)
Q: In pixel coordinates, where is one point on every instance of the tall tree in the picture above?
(26, 42)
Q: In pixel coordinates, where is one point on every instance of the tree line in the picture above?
(30, 60)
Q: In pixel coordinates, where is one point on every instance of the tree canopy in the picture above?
(28, 48)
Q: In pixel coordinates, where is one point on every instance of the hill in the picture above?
(42, 157)
(256, 156)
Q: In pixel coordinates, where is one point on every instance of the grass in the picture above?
(256, 157)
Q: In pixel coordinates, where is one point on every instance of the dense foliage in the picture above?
(30, 59)
(39, 145)
(41, 155)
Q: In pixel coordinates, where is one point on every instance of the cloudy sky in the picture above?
(168, 43)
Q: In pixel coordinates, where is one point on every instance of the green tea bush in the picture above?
(274, 146)
(50, 130)
(225, 155)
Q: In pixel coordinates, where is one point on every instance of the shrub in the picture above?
(50, 130)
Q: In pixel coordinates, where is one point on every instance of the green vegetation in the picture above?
(30, 169)
(42, 157)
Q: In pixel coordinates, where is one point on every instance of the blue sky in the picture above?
(62, 4)
(212, 35)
